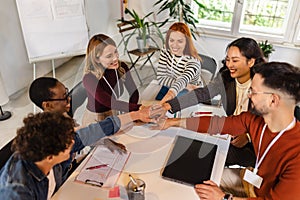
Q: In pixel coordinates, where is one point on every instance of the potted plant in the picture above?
(143, 29)
(266, 48)
(180, 10)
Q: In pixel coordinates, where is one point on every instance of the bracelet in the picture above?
(228, 196)
(249, 138)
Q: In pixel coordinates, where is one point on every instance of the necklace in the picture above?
(118, 84)
(172, 66)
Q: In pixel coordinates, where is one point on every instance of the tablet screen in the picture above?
(190, 161)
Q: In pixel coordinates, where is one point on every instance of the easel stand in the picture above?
(34, 76)
(53, 69)
(4, 114)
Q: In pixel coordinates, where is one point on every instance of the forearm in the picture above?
(192, 98)
(128, 118)
(92, 133)
(175, 122)
(142, 114)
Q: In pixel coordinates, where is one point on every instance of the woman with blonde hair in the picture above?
(105, 79)
(178, 68)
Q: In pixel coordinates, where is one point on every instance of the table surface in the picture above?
(148, 157)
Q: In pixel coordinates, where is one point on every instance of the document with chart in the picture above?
(103, 167)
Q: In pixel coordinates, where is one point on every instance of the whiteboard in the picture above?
(53, 29)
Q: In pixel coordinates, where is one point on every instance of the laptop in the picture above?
(190, 161)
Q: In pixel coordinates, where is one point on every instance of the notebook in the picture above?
(190, 161)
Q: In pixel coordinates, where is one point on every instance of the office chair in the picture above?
(78, 96)
(126, 27)
(5, 153)
(209, 64)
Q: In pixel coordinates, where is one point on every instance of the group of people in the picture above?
(259, 99)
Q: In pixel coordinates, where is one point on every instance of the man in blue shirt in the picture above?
(23, 178)
(50, 95)
(34, 170)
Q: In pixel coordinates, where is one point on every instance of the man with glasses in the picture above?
(274, 93)
(51, 95)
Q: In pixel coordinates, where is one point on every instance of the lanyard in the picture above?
(259, 161)
(111, 87)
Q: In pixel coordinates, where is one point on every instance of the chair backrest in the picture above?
(78, 96)
(209, 64)
(5, 154)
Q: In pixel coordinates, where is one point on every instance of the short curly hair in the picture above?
(43, 134)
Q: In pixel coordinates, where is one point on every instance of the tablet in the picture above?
(190, 161)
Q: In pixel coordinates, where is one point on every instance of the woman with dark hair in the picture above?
(232, 83)
(105, 78)
(178, 67)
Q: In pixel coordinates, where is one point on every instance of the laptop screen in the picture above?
(190, 161)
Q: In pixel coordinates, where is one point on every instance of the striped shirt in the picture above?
(176, 72)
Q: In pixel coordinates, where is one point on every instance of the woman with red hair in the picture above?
(178, 67)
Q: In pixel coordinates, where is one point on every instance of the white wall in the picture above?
(102, 16)
(16, 71)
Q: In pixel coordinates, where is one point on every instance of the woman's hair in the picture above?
(95, 47)
(42, 135)
(250, 49)
(183, 28)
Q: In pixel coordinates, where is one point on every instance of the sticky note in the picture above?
(114, 192)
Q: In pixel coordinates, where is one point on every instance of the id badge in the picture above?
(253, 178)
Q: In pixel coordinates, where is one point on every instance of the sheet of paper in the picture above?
(104, 175)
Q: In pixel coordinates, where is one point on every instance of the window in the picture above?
(266, 19)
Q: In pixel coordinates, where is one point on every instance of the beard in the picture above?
(255, 110)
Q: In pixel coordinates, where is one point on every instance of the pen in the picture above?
(96, 167)
(203, 113)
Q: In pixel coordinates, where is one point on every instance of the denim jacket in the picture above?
(21, 179)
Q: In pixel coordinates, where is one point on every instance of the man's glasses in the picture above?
(250, 92)
(63, 99)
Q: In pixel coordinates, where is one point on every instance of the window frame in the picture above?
(285, 38)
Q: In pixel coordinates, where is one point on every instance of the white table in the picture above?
(147, 158)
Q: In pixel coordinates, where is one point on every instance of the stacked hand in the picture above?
(157, 111)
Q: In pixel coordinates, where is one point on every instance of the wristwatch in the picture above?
(228, 196)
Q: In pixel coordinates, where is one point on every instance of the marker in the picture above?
(97, 167)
